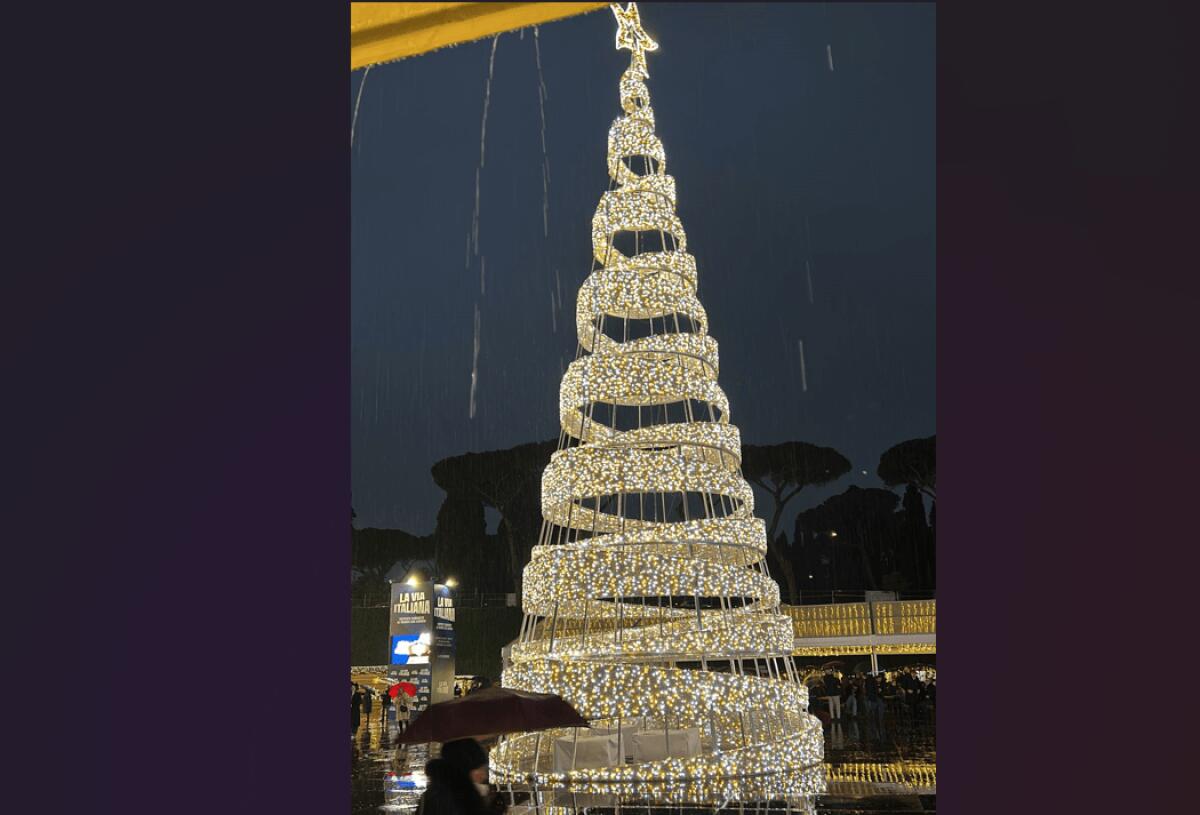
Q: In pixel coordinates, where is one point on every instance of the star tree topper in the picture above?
(631, 35)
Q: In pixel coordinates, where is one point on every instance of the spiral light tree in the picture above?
(647, 601)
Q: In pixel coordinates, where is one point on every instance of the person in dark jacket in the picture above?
(356, 701)
(458, 782)
(875, 706)
(851, 694)
(833, 695)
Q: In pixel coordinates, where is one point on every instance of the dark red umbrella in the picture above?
(491, 712)
(407, 687)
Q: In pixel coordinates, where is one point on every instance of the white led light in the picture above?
(646, 623)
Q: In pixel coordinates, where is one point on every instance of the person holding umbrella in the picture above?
(402, 713)
(458, 782)
(492, 712)
(399, 707)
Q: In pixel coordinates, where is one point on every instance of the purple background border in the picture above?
(1066, 424)
(183, 337)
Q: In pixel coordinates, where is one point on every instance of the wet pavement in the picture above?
(872, 768)
(881, 768)
(383, 778)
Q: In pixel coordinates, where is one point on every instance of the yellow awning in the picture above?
(380, 32)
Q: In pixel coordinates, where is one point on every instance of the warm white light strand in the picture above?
(642, 622)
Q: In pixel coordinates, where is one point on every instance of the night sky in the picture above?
(789, 175)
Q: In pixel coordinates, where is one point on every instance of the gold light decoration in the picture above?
(913, 775)
(648, 604)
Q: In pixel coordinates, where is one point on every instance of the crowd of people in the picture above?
(394, 713)
(397, 712)
(870, 694)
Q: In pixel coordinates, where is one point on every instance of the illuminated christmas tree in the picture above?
(647, 601)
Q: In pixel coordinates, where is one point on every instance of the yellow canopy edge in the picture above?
(381, 32)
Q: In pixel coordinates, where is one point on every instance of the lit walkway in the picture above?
(846, 629)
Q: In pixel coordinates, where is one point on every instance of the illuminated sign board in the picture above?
(421, 641)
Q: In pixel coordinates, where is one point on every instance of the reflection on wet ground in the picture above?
(881, 767)
(872, 767)
(383, 778)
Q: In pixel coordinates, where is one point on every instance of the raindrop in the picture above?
(803, 370)
(475, 215)
(829, 53)
(487, 98)
(475, 364)
(357, 102)
(537, 51)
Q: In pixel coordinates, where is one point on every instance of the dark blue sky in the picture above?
(779, 162)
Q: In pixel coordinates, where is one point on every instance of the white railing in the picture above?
(888, 618)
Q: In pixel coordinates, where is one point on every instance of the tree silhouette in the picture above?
(917, 536)
(865, 522)
(509, 481)
(374, 552)
(462, 546)
(911, 462)
(783, 470)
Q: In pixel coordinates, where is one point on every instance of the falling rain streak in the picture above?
(808, 277)
(487, 97)
(475, 216)
(803, 370)
(357, 102)
(537, 51)
(475, 364)
(829, 53)
(474, 237)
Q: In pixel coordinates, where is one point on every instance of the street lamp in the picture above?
(451, 582)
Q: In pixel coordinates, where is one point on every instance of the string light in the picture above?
(916, 775)
(672, 626)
